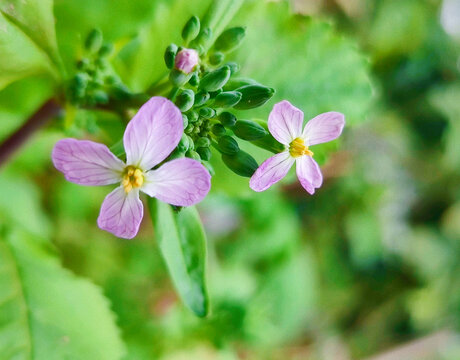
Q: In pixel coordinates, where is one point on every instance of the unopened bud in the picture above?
(218, 130)
(192, 154)
(194, 80)
(207, 113)
(178, 78)
(227, 145)
(214, 80)
(191, 29)
(240, 163)
(192, 115)
(249, 130)
(106, 50)
(203, 39)
(227, 119)
(216, 58)
(234, 67)
(235, 83)
(230, 39)
(94, 41)
(183, 145)
(254, 96)
(185, 120)
(201, 98)
(186, 60)
(184, 100)
(227, 99)
(170, 54)
(204, 152)
(203, 142)
(100, 97)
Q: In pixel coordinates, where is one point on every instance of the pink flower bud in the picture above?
(186, 60)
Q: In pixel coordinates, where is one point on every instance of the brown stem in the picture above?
(20, 136)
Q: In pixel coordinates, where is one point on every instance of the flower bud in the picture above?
(192, 115)
(185, 120)
(203, 142)
(216, 58)
(191, 29)
(192, 154)
(216, 79)
(227, 145)
(254, 96)
(176, 154)
(201, 98)
(203, 39)
(227, 119)
(186, 60)
(194, 80)
(230, 39)
(218, 130)
(185, 99)
(204, 152)
(183, 145)
(106, 50)
(235, 83)
(249, 130)
(94, 41)
(208, 167)
(240, 163)
(189, 129)
(170, 54)
(207, 113)
(227, 99)
(100, 97)
(234, 67)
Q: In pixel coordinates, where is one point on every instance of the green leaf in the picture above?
(35, 18)
(46, 312)
(20, 56)
(182, 242)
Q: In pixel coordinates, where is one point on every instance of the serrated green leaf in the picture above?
(305, 61)
(35, 18)
(182, 242)
(46, 312)
(20, 56)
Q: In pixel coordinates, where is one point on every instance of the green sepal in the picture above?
(201, 98)
(254, 96)
(207, 113)
(227, 119)
(218, 130)
(204, 152)
(178, 78)
(170, 55)
(216, 58)
(203, 40)
(235, 83)
(94, 41)
(240, 163)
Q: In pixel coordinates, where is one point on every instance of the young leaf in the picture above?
(20, 55)
(35, 18)
(182, 242)
(46, 312)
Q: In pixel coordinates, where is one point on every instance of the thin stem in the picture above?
(33, 124)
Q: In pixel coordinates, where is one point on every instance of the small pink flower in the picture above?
(149, 138)
(186, 60)
(285, 124)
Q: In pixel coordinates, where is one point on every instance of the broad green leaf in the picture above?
(35, 18)
(182, 242)
(48, 313)
(305, 61)
(20, 55)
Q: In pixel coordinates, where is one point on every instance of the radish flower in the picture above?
(285, 124)
(150, 137)
(186, 60)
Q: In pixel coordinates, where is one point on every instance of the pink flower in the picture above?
(285, 124)
(149, 138)
(186, 60)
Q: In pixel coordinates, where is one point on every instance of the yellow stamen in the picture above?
(297, 148)
(133, 178)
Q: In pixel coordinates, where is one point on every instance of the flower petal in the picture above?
(309, 173)
(86, 163)
(153, 133)
(121, 213)
(323, 128)
(180, 182)
(285, 122)
(271, 171)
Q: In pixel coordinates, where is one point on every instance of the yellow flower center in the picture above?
(297, 148)
(132, 178)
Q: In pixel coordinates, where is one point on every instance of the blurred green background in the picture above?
(367, 268)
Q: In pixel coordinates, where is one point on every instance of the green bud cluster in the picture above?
(95, 82)
(208, 96)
